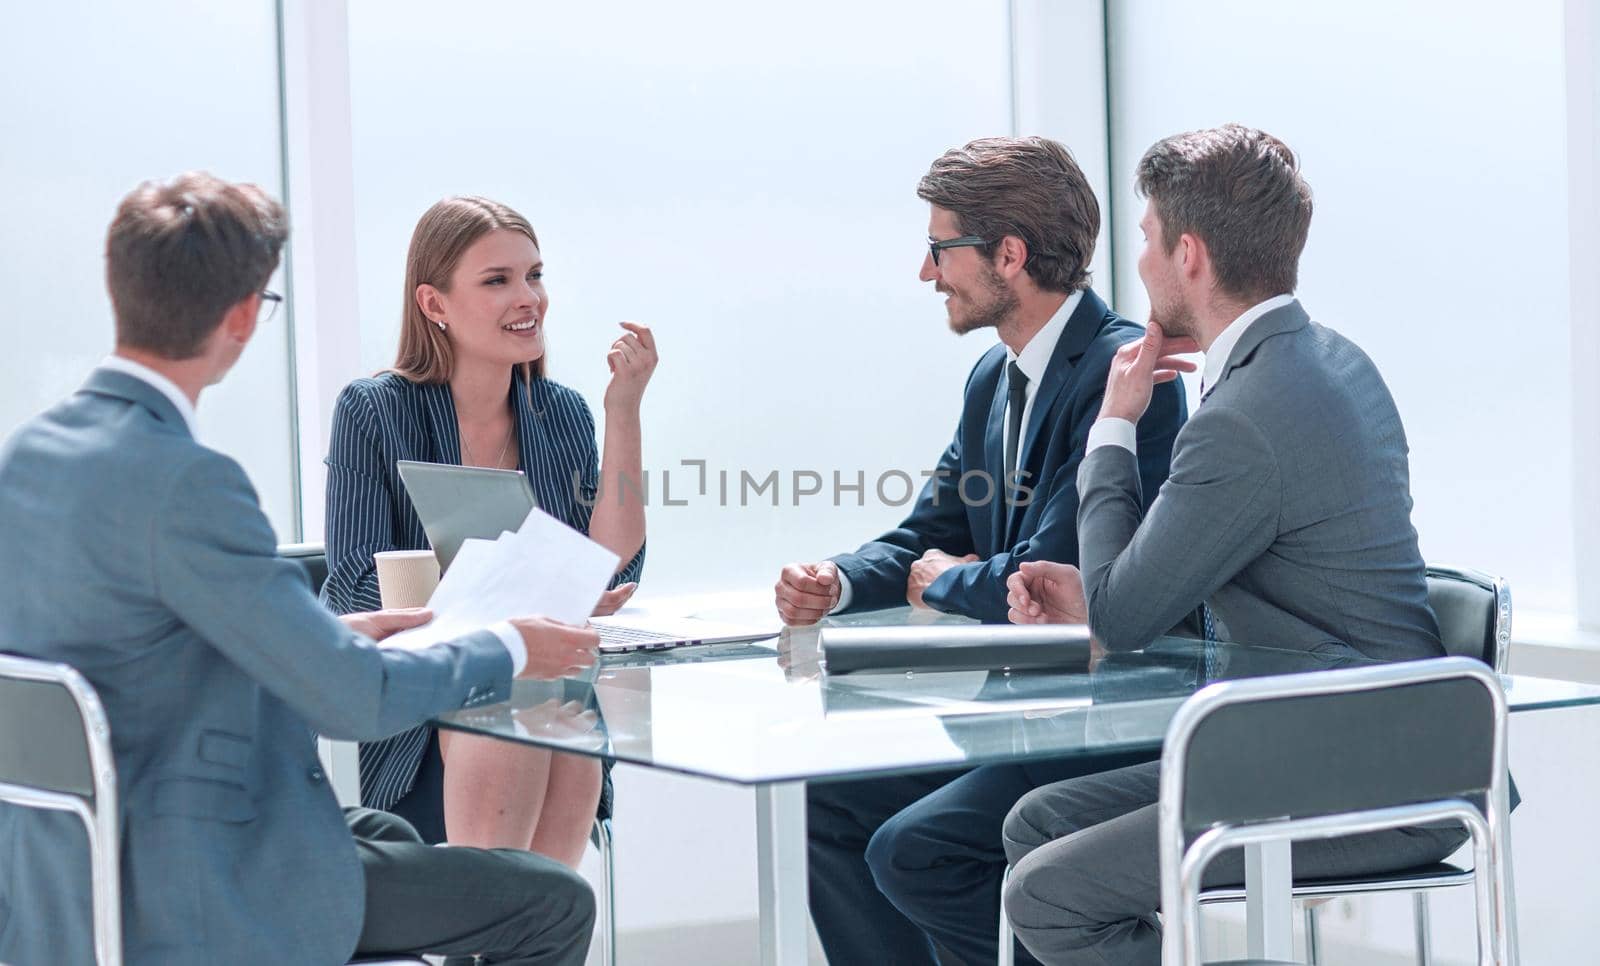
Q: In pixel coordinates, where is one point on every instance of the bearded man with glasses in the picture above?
(900, 866)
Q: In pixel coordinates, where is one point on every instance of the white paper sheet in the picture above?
(545, 568)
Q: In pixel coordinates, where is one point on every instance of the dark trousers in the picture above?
(505, 905)
(1086, 874)
(900, 864)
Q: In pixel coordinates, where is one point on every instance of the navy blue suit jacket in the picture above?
(1043, 524)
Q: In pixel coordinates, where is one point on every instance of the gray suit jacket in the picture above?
(143, 560)
(1288, 510)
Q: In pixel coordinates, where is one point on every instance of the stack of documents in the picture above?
(546, 568)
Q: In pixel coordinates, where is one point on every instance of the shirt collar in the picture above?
(161, 383)
(1034, 358)
(1222, 346)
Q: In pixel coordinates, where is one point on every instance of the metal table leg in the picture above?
(781, 873)
(1269, 897)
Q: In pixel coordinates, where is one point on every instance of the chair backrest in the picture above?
(312, 559)
(1333, 753)
(1474, 613)
(1331, 742)
(55, 754)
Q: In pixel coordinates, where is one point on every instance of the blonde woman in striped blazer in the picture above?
(469, 387)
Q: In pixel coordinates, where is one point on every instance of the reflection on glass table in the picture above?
(749, 714)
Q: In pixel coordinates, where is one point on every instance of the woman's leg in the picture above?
(571, 797)
(494, 791)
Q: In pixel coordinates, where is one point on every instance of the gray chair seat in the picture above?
(1438, 875)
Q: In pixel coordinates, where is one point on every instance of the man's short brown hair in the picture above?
(180, 254)
(1027, 187)
(1239, 190)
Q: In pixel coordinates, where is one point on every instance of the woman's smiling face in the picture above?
(495, 308)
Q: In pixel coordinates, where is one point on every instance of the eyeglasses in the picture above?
(965, 241)
(269, 305)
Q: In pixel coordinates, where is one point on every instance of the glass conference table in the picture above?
(765, 715)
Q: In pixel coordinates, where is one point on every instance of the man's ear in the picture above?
(239, 322)
(1193, 258)
(1010, 256)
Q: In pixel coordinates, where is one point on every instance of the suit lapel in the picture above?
(522, 403)
(439, 409)
(1086, 321)
(994, 440)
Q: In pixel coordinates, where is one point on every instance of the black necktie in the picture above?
(1016, 399)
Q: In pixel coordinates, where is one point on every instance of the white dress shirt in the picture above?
(1112, 431)
(157, 381)
(1033, 360)
(509, 635)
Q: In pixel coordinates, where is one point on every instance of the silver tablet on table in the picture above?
(455, 503)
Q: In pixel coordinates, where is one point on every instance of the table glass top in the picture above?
(766, 712)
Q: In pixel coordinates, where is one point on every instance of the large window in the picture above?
(96, 98)
(1433, 137)
(742, 179)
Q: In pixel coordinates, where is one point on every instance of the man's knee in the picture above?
(572, 903)
(1021, 833)
(891, 857)
(1037, 899)
(375, 826)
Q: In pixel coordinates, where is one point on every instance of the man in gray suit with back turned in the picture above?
(142, 559)
(1286, 521)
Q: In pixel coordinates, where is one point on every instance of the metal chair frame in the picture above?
(1182, 865)
(601, 837)
(99, 816)
(1497, 656)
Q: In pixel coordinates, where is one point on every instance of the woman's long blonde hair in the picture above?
(442, 234)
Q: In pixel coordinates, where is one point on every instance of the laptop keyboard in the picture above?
(614, 636)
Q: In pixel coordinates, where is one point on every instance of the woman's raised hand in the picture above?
(632, 359)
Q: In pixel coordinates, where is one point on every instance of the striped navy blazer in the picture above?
(387, 418)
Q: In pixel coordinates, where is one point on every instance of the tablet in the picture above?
(455, 503)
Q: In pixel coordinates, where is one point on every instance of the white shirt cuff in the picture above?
(1111, 431)
(844, 593)
(512, 639)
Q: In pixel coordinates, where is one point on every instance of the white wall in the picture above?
(1432, 134)
(1434, 138)
(97, 98)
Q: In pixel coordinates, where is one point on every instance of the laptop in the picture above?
(458, 503)
(623, 634)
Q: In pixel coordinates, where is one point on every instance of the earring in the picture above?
(440, 324)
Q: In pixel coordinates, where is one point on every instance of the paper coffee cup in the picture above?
(406, 578)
